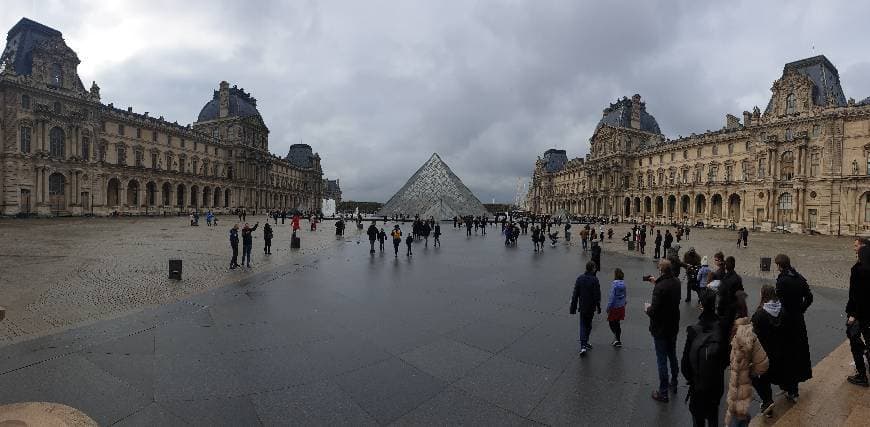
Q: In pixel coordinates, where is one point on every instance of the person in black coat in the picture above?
(858, 314)
(704, 395)
(247, 242)
(669, 239)
(658, 242)
(234, 245)
(267, 239)
(767, 325)
(596, 256)
(586, 298)
(796, 297)
(664, 325)
(730, 284)
(373, 235)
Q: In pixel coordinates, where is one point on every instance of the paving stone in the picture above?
(446, 359)
(509, 384)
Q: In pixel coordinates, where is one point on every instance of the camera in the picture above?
(646, 277)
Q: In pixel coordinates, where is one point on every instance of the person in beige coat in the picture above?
(748, 360)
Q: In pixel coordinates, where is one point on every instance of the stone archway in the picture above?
(194, 196)
(700, 205)
(734, 207)
(150, 193)
(672, 205)
(179, 195)
(113, 192)
(626, 207)
(57, 191)
(716, 206)
(167, 194)
(647, 205)
(660, 206)
(133, 193)
(685, 201)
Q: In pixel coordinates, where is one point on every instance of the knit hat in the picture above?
(704, 260)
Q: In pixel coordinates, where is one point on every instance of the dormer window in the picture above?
(790, 104)
(56, 75)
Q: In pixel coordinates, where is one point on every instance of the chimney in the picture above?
(636, 108)
(224, 99)
(731, 122)
(747, 118)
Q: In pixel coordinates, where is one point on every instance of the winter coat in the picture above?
(267, 232)
(859, 294)
(767, 325)
(587, 294)
(234, 237)
(664, 310)
(246, 235)
(702, 276)
(706, 322)
(795, 295)
(748, 359)
(617, 295)
(372, 232)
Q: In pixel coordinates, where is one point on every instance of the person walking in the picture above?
(409, 241)
(668, 241)
(858, 315)
(373, 235)
(767, 325)
(596, 256)
(747, 360)
(664, 325)
(234, 245)
(703, 276)
(396, 234)
(692, 262)
(535, 234)
(642, 241)
(436, 236)
(382, 236)
(703, 363)
(468, 224)
(248, 242)
(658, 250)
(796, 297)
(584, 237)
(587, 300)
(267, 239)
(616, 306)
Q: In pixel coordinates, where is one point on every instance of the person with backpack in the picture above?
(616, 306)
(730, 284)
(767, 325)
(267, 239)
(409, 241)
(436, 235)
(382, 236)
(596, 256)
(234, 245)
(657, 253)
(796, 297)
(747, 360)
(664, 325)
(586, 298)
(858, 315)
(703, 363)
(692, 262)
(397, 239)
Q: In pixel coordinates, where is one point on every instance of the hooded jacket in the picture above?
(587, 294)
(767, 325)
(748, 359)
(617, 295)
(664, 310)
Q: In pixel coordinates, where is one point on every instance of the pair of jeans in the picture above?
(235, 260)
(246, 253)
(585, 328)
(666, 351)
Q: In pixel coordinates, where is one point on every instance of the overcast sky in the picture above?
(377, 86)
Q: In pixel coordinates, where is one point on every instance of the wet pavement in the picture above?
(471, 333)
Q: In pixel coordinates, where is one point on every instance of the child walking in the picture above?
(616, 306)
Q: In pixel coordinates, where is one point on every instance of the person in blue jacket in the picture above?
(586, 298)
(616, 306)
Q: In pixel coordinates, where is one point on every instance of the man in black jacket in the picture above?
(664, 324)
(586, 297)
(858, 312)
(373, 235)
(247, 242)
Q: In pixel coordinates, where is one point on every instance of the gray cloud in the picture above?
(376, 87)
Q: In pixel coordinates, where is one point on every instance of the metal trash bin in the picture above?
(295, 242)
(765, 264)
(175, 269)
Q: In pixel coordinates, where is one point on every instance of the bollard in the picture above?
(175, 269)
(2, 313)
(295, 242)
(765, 264)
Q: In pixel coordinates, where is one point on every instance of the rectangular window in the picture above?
(685, 176)
(182, 142)
(154, 135)
(102, 152)
(24, 136)
(153, 160)
(103, 126)
(747, 146)
(122, 155)
(195, 165)
(698, 154)
(728, 170)
(138, 132)
(169, 161)
(814, 165)
(639, 181)
(673, 156)
(715, 149)
(86, 148)
(120, 129)
(730, 148)
(817, 130)
(140, 158)
(25, 102)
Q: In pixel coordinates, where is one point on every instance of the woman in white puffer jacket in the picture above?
(748, 360)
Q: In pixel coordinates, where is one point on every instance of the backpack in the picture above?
(707, 359)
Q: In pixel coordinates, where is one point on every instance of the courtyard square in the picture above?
(472, 332)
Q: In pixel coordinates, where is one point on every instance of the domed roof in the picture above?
(619, 115)
(242, 104)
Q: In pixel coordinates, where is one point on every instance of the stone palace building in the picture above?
(66, 153)
(803, 164)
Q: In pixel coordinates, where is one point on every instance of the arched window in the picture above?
(56, 147)
(56, 75)
(788, 134)
(787, 166)
(790, 104)
(24, 137)
(25, 102)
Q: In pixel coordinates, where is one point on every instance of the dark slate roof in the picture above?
(826, 80)
(865, 101)
(619, 115)
(21, 40)
(301, 155)
(555, 160)
(241, 105)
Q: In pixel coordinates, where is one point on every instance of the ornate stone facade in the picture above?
(801, 165)
(64, 152)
